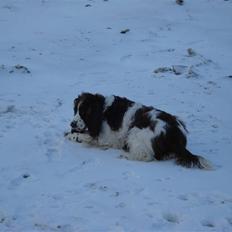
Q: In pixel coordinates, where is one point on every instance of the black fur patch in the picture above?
(114, 114)
(171, 142)
(142, 119)
(91, 111)
(171, 119)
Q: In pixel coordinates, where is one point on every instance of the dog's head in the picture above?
(88, 114)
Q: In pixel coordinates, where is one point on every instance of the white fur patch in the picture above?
(153, 114)
(79, 104)
(181, 127)
(160, 127)
(72, 136)
(109, 101)
(129, 116)
(80, 123)
(139, 141)
(109, 138)
(205, 163)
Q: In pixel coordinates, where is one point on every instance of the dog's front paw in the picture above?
(72, 136)
(124, 155)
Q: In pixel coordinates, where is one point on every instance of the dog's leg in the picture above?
(93, 142)
(137, 153)
(86, 138)
(138, 146)
(81, 138)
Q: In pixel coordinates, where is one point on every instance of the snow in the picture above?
(52, 50)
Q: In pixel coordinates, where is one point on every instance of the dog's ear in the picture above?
(94, 114)
(77, 101)
(75, 105)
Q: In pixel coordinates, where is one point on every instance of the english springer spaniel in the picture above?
(143, 132)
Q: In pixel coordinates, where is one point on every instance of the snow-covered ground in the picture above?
(52, 50)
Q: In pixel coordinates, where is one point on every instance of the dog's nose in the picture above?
(73, 124)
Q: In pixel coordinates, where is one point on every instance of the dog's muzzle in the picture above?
(78, 125)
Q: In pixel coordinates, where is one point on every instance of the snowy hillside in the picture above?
(176, 58)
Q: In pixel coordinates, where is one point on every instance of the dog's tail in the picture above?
(187, 159)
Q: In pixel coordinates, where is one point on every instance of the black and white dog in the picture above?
(143, 132)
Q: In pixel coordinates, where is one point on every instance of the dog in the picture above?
(144, 133)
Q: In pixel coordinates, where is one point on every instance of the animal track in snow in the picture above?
(171, 217)
(183, 197)
(121, 205)
(130, 174)
(53, 141)
(125, 57)
(16, 182)
(229, 220)
(207, 223)
(18, 69)
(95, 187)
(46, 227)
